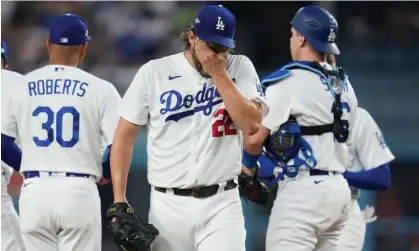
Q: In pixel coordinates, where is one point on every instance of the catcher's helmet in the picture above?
(284, 144)
(318, 26)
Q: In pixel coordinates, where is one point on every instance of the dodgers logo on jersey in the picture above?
(381, 140)
(173, 101)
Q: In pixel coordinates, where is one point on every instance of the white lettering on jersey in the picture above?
(62, 116)
(220, 25)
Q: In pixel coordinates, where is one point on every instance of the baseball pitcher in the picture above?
(62, 114)
(313, 197)
(368, 169)
(196, 105)
(11, 239)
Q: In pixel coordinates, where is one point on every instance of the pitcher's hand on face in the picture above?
(212, 63)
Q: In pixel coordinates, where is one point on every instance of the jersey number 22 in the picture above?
(57, 118)
(223, 126)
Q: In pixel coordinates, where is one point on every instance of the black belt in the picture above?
(315, 172)
(200, 192)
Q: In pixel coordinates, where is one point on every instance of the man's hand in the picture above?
(369, 214)
(249, 171)
(212, 63)
(104, 181)
(254, 190)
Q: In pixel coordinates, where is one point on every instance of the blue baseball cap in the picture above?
(4, 51)
(216, 24)
(68, 29)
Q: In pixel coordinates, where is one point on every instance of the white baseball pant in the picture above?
(192, 224)
(353, 235)
(309, 213)
(60, 213)
(11, 239)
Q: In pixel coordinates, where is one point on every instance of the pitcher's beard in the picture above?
(198, 64)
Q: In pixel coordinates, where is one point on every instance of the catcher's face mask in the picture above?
(284, 144)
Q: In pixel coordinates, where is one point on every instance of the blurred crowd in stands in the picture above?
(127, 34)
(124, 34)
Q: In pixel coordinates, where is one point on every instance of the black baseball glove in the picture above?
(254, 190)
(128, 230)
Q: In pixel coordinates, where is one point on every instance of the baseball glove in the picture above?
(128, 230)
(254, 190)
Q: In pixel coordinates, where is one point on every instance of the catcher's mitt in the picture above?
(128, 230)
(254, 190)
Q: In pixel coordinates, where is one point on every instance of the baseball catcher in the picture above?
(129, 231)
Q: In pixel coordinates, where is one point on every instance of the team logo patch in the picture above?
(381, 140)
(220, 24)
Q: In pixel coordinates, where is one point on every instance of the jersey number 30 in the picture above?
(57, 118)
(223, 126)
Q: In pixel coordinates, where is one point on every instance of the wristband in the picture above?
(249, 160)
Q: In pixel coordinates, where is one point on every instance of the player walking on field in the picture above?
(196, 105)
(11, 239)
(368, 169)
(62, 114)
(313, 197)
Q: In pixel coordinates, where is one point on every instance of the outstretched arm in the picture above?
(372, 152)
(378, 178)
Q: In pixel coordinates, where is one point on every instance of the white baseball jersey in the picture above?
(9, 80)
(62, 114)
(191, 138)
(369, 149)
(310, 101)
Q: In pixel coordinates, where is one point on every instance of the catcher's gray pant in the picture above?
(309, 213)
(190, 224)
(11, 240)
(60, 213)
(353, 235)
